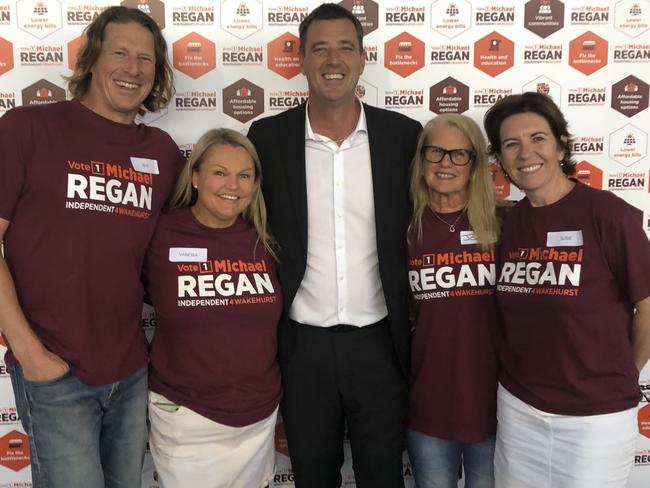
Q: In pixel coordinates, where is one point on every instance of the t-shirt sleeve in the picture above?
(626, 248)
(13, 133)
(178, 162)
(178, 159)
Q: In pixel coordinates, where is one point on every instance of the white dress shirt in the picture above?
(341, 284)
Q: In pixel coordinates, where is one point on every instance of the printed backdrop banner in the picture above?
(237, 60)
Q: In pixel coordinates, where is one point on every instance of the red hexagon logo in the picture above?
(643, 418)
(589, 174)
(194, 55)
(283, 55)
(404, 54)
(588, 53)
(281, 444)
(14, 450)
(73, 49)
(501, 182)
(494, 54)
(6, 56)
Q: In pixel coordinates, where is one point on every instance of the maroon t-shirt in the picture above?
(82, 194)
(454, 358)
(570, 274)
(217, 303)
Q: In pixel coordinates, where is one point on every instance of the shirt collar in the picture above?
(310, 135)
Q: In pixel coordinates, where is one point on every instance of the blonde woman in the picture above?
(210, 273)
(452, 273)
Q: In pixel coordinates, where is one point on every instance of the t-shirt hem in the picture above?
(90, 379)
(558, 409)
(450, 436)
(96, 380)
(231, 419)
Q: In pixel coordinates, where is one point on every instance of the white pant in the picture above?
(190, 450)
(536, 449)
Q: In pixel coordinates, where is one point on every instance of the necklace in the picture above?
(452, 226)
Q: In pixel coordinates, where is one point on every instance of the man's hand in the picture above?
(37, 362)
(44, 366)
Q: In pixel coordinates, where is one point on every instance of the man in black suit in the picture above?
(335, 183)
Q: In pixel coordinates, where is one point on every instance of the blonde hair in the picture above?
(185, 195)
(481, 199)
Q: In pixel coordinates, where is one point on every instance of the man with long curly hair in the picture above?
(81, 187)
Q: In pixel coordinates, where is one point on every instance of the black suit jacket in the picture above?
(280, 143)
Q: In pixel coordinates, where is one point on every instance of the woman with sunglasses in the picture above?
(452, 273)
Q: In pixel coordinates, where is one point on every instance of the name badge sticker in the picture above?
(467, 237)
(188, 254)
(565, 238)
(144, 165)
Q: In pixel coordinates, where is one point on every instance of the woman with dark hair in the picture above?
(210, 273)
(574, 267)
(452, 240)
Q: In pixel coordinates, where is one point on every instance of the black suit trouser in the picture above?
(338, 376)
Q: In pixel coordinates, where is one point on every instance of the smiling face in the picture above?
(332, 61)
(444, 179)
(531, 155)
(225, 182)
(124, 73)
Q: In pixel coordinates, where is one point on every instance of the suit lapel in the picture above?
(294, 165)
(379, 142)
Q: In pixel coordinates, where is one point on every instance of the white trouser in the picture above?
(536, 449)
(190, 450)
